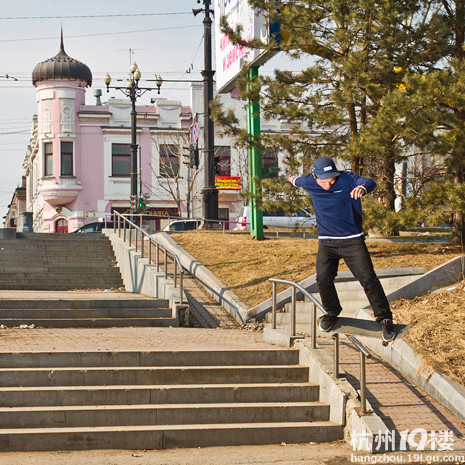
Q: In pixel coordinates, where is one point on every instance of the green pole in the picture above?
(255, 162)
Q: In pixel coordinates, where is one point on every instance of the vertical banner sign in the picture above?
(230, 57)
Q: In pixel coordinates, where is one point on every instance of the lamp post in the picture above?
(133, 91)
(209, 191)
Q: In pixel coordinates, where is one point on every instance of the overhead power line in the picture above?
(98, 34)
(126, 15)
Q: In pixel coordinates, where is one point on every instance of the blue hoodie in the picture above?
(338, 215)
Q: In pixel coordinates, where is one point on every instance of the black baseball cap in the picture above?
(324, 168)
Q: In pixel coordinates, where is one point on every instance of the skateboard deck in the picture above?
(368, 328)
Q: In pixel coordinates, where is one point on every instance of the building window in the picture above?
(48, 159)
(169, 160)
(223, 161)
(120, 160)
(269, 164)
(66, 158)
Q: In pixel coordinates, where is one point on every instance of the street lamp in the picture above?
(133, 91)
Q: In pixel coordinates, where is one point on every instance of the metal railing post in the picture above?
(293, 322)
(181, 284)
(314, 326)
(175, 273)
(130, 234)
(150, 250)
(363, 384)
(124, 230)
(142, 238)
(166, 263)
(273, 315)
(336, 355)
(158, 257)
(136, 232)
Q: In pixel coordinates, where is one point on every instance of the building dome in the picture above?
(61, 67)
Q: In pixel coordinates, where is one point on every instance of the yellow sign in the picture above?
(228, 182)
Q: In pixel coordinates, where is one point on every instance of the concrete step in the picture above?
(160, 399)
(158, 322)
(149, 359)
(90, 282)
(47, 255)
(165, 436)
(67, 273)
(60, 279)
(41, 247)
(163, 414)
(59, 266)
(85, 314)
(37, 250)
(58, 287)
(164, 394)
(130, 302)
(151, 375)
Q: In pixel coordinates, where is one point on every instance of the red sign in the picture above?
(228, 182)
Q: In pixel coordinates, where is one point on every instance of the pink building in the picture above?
(77, 164)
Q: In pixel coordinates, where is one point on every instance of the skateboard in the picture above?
(369, 328)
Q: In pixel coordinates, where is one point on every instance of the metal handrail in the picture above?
(364, 353)
(171, 219)
(121, 220)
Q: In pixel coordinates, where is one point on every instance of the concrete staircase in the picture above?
(155, 400)
(58, 262)
(87, 313)
(351, 296)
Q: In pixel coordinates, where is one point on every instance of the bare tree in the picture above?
(173, 178)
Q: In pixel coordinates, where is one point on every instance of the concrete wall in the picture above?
(142, 278)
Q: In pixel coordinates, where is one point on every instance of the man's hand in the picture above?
(358, 192)
(291, 178)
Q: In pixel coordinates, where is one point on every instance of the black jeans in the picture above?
(356, 255)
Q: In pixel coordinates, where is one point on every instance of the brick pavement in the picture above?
(401, 405)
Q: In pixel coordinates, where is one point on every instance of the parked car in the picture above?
(183, 225)
(299, 219)
(95, 227)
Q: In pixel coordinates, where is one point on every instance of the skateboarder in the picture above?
(338, 209)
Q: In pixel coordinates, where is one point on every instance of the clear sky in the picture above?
(165, 38)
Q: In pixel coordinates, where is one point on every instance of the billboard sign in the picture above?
(229, 57)
(228, 182)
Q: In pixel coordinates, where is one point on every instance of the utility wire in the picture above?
(127, 15)
(99, 34)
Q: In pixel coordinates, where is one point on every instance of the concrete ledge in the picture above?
(309, 284)
(279, 337)
(401, 356)
(214, 287)
(141, 277)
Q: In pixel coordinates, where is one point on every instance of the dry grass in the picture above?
(437, 329)
(437, 322)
